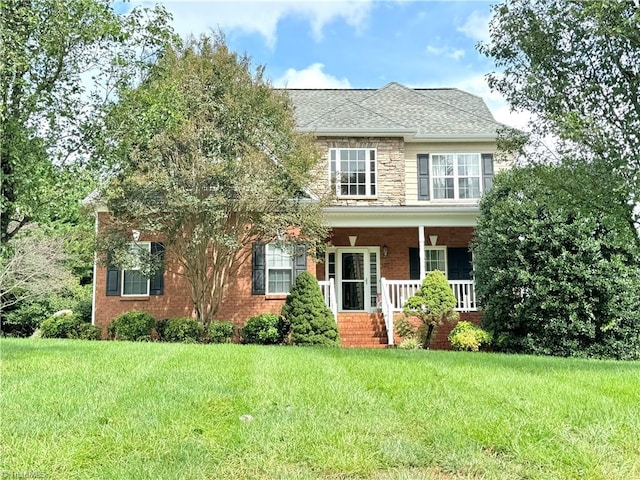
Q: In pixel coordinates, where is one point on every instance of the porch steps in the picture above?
(363, 330)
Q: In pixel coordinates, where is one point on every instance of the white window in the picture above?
(435, 258)
(133, 281)
(456, 176)
(279, 269)
(353, 171)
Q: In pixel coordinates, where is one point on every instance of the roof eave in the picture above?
(409, 135)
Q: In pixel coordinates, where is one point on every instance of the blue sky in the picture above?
(355, 44)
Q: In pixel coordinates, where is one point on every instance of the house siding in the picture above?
(411, 151)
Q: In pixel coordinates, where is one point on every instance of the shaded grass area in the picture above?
(115, 410)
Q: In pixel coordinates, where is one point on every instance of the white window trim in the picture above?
(368, 183)
(267, 268)
(456, 177)
(446, 259)
(122, 275)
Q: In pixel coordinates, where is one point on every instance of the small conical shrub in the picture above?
(310, 320)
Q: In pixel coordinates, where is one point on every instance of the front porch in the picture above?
(376, 328)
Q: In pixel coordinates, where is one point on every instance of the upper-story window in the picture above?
(454, 176)
(353, 171)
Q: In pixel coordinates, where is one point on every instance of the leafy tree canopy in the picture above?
(576, 66)
(205, 153)
(51, 52)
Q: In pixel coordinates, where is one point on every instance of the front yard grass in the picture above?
(118, 410)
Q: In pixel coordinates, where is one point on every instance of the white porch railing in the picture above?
(396, 292)
(328, 288)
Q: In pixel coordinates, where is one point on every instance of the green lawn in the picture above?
(117, 410)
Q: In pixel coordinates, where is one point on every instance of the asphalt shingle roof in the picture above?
(426, 112)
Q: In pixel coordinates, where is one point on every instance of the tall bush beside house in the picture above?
(553, 277)
(66, 324)
(311, 321)
(433, 304)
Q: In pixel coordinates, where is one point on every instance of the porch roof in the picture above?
(402, 216)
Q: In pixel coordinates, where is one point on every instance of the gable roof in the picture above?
(420, 113)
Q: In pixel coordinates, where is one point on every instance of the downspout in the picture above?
(95, 272)
(423, 272)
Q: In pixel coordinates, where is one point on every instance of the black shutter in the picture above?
(423, 176)
(156, 283)
(459, 263)
(414, 263)
(113, 281)
(258, 265)
(487, 171)
(300, 261)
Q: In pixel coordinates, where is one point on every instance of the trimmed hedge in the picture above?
(68, 325)
(264, 329)
(134, 326)
(219, 332)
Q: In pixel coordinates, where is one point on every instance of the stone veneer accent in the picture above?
(390, 168)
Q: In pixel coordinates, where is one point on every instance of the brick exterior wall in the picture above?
(398, 241)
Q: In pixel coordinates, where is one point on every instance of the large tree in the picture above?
(59, 63)
(205, 154)
(555, 277)
(576, 66)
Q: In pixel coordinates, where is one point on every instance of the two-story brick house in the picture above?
(407, 167)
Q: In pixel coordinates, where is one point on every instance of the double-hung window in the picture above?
(456, 176)
(353, 171)
(435, 258)
(275, 267)
(279, 269)
(134, 282)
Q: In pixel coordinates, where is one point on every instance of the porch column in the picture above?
(423, 273)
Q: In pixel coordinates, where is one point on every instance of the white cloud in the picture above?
(449, 52)
(477, 26)
(262, 17)
(310, 77)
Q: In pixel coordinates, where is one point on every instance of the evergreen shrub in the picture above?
(219, 332)
(433, 303)
(264, 329)
(68, 325)
(469, 337)
(132, 326)
(305, 311)
(180, 329)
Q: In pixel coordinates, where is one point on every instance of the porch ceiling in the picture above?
(404, 216)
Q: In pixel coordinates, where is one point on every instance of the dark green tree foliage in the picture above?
(311, 322)
(575, 65)
(554, 279)
(49, 50)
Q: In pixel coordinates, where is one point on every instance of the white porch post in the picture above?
(423, 273)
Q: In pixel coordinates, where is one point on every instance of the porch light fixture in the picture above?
(433, 239)
(136, 235)
(385, 251)
(352, 240)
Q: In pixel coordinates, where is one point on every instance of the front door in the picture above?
(353, 280)
(356, 273)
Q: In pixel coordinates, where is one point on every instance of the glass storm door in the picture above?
(353, 278)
